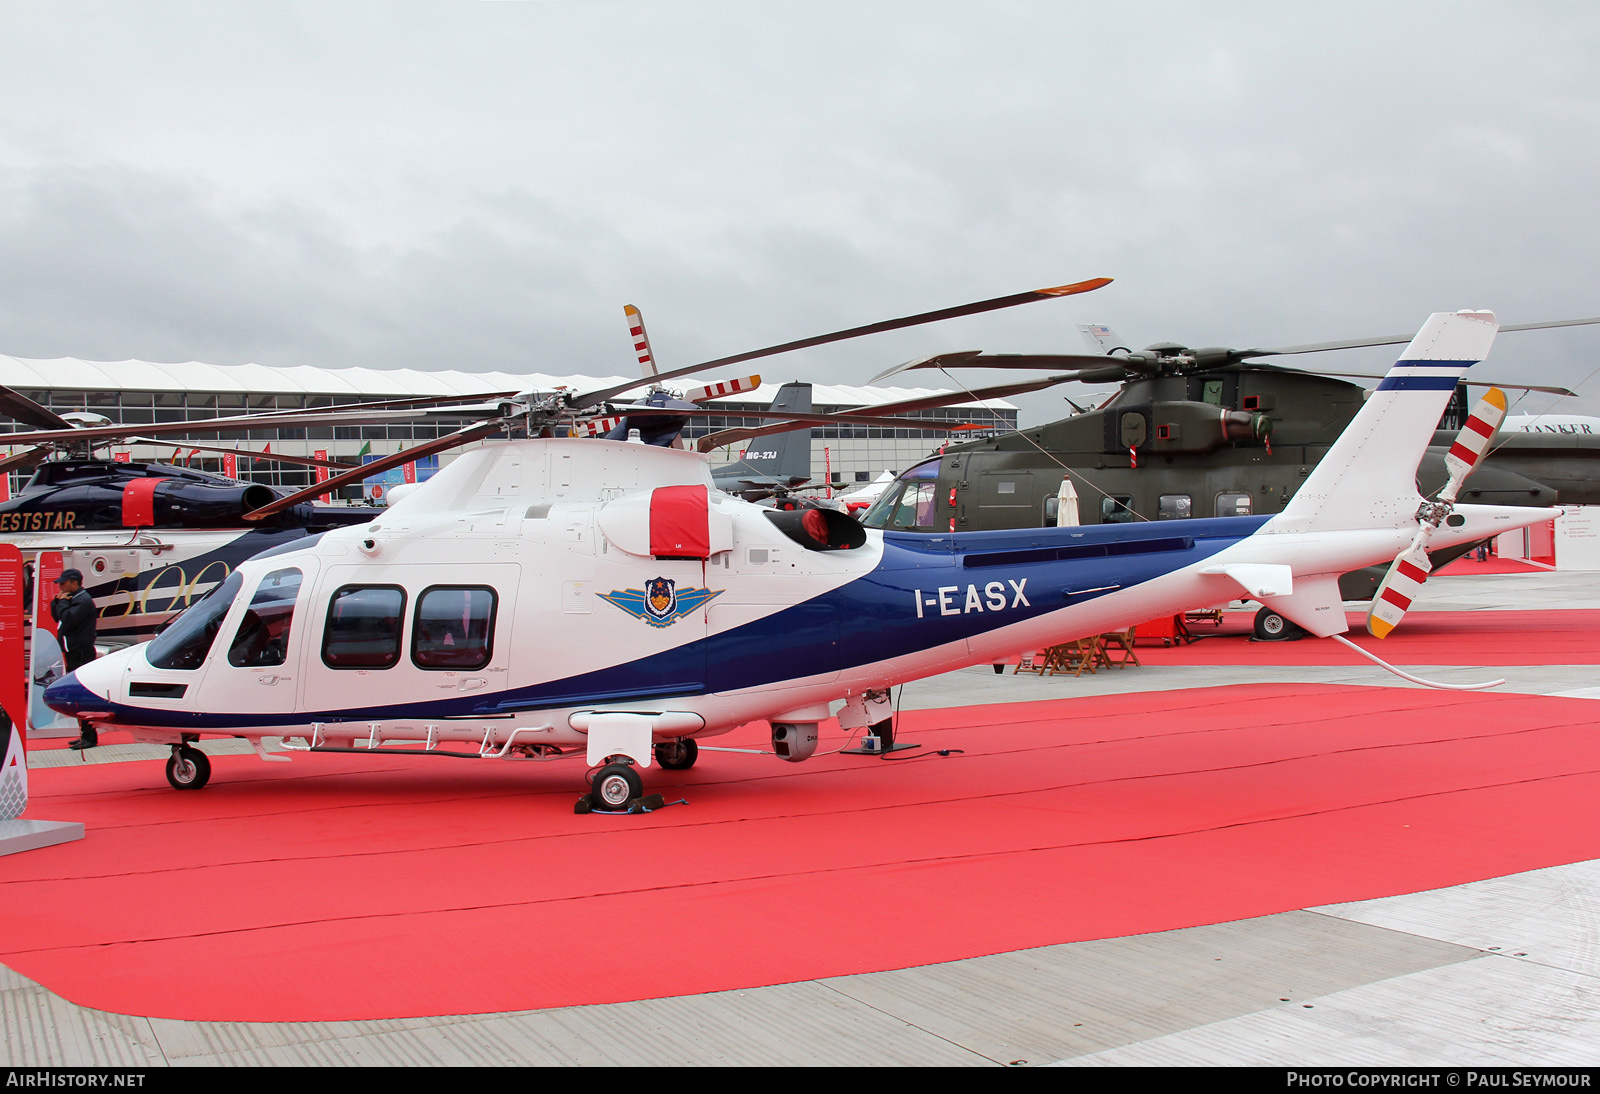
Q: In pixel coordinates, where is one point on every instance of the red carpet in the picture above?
(342, 888)
(1467, 566)
(1425, 638)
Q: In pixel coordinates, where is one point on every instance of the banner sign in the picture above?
(13, 687)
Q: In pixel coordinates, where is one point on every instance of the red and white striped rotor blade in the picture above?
(1411, 567)
(1473, 440)
(597, 427)
(1400, 586)
(726, 387)
(641, 340)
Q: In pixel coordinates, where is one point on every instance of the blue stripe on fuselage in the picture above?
(872, 618)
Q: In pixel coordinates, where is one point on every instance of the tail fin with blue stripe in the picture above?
(1369, 478)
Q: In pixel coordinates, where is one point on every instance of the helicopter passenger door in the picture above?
(383, 636)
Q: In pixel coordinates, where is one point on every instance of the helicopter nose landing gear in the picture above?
(188, 768)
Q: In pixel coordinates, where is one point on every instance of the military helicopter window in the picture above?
(263, 636)
(1233, 505)
(1116, 509)
(1175, 507)
(184, 642)
(364, 623)
(454, 627)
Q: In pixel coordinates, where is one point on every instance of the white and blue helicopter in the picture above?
(547, 598)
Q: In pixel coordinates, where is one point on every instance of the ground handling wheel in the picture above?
(188, 768)
(678, 755)
(615, 786)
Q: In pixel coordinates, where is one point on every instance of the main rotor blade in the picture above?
(979, 359)
(1549, 389)
(591, 398)
(23, 409)
(902, 406)
(454, 440)
(1396, 340)
(442, 402)
(302, 461)
(843, 417)
(29, 458)
(292, 419)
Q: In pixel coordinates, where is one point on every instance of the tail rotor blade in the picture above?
(1411, 567)
(1474, 439)
(1400, 586)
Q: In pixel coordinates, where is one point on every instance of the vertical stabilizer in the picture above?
(1102, 339)
(1369, 478)
(780, 458)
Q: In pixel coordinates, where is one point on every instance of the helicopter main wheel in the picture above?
(616, 785)
(1272, 627)
(678, 755)
(188, 768)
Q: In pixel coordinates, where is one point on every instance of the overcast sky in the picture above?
(484, 185)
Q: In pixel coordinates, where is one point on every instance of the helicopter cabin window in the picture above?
(1233, 505)
(363, 630)
(1175, 507)
(454, 627)
(1116, 509)
(263, 636)
(185, 641)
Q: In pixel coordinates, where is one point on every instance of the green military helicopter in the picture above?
(1207, 432)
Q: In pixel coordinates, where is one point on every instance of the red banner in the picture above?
(122, 457)
(13, 687)
(47, 567)
(230, 466)
(410, 471)
(322, 474)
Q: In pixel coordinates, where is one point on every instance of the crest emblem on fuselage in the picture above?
(660, 603)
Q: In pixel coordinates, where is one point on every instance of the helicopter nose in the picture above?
(68, 696)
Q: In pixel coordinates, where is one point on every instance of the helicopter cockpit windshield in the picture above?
(184, 643)
(907, 503)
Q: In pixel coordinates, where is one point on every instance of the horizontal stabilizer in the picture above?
(1258, 579)
(1315, 606)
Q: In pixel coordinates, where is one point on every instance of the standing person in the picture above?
(74, 612)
